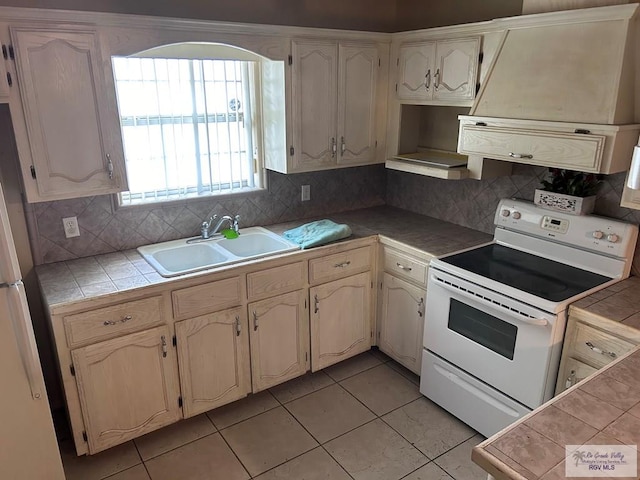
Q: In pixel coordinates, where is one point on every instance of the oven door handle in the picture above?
(538, 322)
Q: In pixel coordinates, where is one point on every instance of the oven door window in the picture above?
(480, 327)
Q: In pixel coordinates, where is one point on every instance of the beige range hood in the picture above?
(561, 92)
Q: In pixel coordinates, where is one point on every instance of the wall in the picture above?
(415, 14)
(105, 229)
(375, 15)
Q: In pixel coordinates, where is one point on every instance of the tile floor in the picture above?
(362, 419)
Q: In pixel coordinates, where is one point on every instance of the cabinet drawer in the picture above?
(404, 266)
(274, 281)
(205, 298)
(597, 348)
(574, 151)
(109, 322)
(339, 265)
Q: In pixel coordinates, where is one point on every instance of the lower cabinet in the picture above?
(402, 321)
(340, 320)
(279, 339)
(213, 353)
(127, 386)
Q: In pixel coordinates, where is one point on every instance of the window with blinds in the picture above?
(188, 127)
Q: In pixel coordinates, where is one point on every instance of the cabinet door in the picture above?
(213, 353)
(314, 90)
(358, 76)
(73, 130)
(456, 69)
(340, 320)
(279, 339)
(402, 322)
(128, 386)
(416, 71)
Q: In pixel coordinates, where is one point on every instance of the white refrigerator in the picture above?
(28, 447)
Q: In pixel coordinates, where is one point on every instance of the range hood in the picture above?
(561, 87)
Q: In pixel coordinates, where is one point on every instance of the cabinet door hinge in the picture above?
(305, 303)
(33, 172)
(396, 87)
(180, 401)
(477, 88)
(9, 79)
(290, 59)
(291, 151)
(397, 61)
(5, 54)
(175, 341)
(376, 145)
(306, 356)
(72, 369)
(371, 284)
(380, 285)
(12, 55)
(480, 57)
(84, 436)
(379, 63)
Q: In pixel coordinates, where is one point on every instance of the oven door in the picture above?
(502, 342)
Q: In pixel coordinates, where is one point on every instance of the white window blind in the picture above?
(188, 127)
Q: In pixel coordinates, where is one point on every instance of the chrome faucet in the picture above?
(207, 231)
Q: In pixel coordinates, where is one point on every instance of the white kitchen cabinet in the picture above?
(128, 386)
(334, 90)
(340, 320)
(279, 329)
(213, 354)
(402, 321)
(73, 145)
(442, 70)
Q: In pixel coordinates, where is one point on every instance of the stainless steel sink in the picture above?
(188, 255)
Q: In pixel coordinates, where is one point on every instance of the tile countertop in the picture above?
(90, 277)
(604, 409)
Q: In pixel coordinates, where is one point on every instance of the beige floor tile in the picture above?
(268, 440)
(381, 389)
(136, 473)
(173, 436)
(329, 412)
(405, 372)
(428, 427)
(100, 465)
(314, 465)
(240, 410)
(301, 386)
(206, 459)
(457, 462)
(375, 452)
(352, 366)
(430, 471)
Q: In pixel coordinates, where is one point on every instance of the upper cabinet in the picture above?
(443, 70)
(335, 107)
(73, 145)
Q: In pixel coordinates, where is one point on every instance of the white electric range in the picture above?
(496, 314)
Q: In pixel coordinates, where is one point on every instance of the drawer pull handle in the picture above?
(255, 321)
(600, 351)
(421, 307)
(164, 346)
(571, 380)
(402, 267)
(238, 326)
(122, 320)
(343, 264)
(316, 303)
(520, 155)
(427, 80)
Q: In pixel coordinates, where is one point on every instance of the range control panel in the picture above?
(601, 234)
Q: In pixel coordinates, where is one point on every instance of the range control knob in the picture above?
(505, 212)
(598, 234)
(516, 215)
(612, 237)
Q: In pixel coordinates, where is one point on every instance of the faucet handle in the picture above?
(236, 226)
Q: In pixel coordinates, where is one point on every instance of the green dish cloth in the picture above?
(317, 233)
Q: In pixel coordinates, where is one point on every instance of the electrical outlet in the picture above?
(306, 193)
(70, 225)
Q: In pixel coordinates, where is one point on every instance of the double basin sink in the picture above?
(191, 255)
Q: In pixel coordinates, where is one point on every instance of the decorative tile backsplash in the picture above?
(105, 229)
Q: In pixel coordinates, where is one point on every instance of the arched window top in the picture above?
(200, 51)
